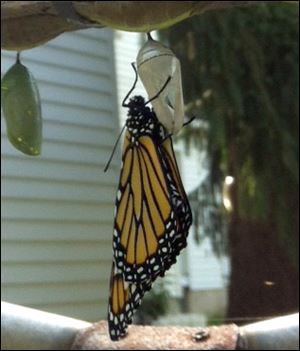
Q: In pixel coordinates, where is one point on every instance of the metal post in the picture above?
(280, 333)
(24, 328)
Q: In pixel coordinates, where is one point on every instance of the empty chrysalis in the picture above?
(155, 63)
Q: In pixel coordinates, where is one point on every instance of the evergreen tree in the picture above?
(240, 72)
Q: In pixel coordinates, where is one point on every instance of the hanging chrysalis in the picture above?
(155, 63)
(22, 109)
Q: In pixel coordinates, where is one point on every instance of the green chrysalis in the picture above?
(22, 109)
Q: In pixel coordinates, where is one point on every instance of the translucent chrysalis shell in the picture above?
(155, 63)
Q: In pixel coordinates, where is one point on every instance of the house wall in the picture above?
(209, 302)
(207, 279)
(126, 46)
(57, 209)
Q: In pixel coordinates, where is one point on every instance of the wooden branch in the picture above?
(159, 338)
(26, 24)
(281, 333)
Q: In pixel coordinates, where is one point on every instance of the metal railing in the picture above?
(24, 328)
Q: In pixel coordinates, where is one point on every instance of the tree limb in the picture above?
(26, 24)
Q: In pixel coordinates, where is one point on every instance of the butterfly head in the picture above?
(141, 120)
(137, 106)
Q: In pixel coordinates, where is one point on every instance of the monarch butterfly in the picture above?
(152, 216)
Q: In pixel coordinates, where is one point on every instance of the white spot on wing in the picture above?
(119, 194)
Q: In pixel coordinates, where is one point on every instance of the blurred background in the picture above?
(239, 162)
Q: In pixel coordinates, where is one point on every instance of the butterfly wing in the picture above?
(179, 198)
(123, 301)
(145, 220)
(151, 225)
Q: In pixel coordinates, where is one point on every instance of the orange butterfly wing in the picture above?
(123, 301)
(145, 220)
(152, 220)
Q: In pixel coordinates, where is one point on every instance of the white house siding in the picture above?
(206, 270)
(57, 209)
(126, 49)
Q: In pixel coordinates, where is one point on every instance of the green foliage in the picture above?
(155, 304)
(215, 319)
(241, 77)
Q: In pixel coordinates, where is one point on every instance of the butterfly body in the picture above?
(142, 121)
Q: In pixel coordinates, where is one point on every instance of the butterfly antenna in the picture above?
(133, 87)
(114, 149)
